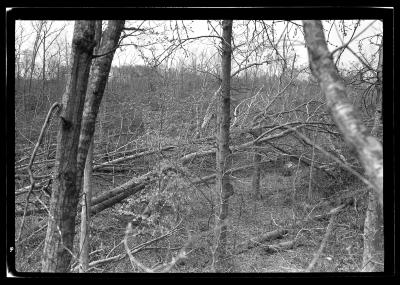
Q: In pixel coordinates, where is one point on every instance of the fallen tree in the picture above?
(252, 243)
(131, 157)
(110, 198)
(285, 245)
(135, 185)
(112, 166)
(100, 206)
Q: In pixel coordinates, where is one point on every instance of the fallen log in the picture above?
(112, 169)
(25, 166)
(101, 202)
(135, 185)
(326, 216)
(36, 186)
(134, 182)
(273, 248)
(30, 212)
(100, 206)
(207, 178)
(118, 152)
(197, 154)
(130, 157)
(252, 243)
(204, 179)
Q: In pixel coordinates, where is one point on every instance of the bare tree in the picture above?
(223, 156)
(87, 187)
(367, 147)
(38, 27)
(58, 246)
(373, 226)
(100, 70)
(48, 38)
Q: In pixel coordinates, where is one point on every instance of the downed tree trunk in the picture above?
(100, 206)
(129, 188)
(212, 176)
(252, 243)
(285, 245)
(100, 203)
(107, 169)
(31, 212)
(111, 197)
(197, 154)
(134, 156)
(36, 186)
(134, 182)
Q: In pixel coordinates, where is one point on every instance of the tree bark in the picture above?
(100, 71)
(87, 186)
(100, 206)
(373, 256)
(85, 212)
(368, 148)
(65, 193)
(223, 155)
(256, 176)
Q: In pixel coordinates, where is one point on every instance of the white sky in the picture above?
(129, 55)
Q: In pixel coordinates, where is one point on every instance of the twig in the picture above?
(35, 232)
(165, 267)
(44, 127)
(133, 250)
(343, 46)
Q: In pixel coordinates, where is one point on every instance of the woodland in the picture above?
(155, 147)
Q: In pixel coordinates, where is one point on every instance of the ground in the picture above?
(249, 218)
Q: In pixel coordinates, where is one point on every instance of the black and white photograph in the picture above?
(199, 145)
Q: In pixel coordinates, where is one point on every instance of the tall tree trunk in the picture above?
(87, 186)
(43, 68)
(223, 155)
(60, 234)
(85, 212)
(373, 256)
(368, 148)
(98, 80)
(100, 71)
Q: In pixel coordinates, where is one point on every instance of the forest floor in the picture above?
(249, 219)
